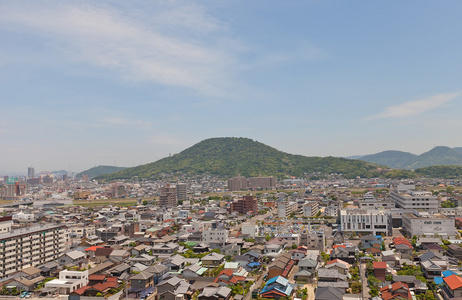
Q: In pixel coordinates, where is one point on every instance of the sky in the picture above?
(86, 83)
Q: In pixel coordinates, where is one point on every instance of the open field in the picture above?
(117, 202)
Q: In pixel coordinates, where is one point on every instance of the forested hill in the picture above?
(232, 156)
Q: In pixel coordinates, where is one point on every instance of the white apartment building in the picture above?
(286, 208)
(310, 209)
(424, 223)
(405, 196)
(210, 235)
(365, 221)
(31, 246)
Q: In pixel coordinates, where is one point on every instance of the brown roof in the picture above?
(103, 251)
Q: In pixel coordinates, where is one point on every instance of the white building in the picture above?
(365, 221)
(210, 235)
(249, 230)
(405, 196)
(423, 223)
(69, 281)
(21, 216)
(31, 246)
(286, 208)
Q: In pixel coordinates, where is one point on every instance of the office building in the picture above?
(405, 196)
(365, 221)
(168, 196)
(247, 204)
(424, 223)
(31, 246)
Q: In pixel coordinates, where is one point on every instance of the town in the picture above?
(203, 237)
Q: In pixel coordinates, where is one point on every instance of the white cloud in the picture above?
(412, 108)
(141, 46)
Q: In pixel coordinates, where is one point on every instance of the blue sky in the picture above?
(84, 83)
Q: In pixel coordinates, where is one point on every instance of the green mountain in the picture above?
(440, 155)
(446, 172)
(99, 170)
(391, 158)
(232, 156)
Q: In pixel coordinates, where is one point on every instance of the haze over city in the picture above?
(123, 83)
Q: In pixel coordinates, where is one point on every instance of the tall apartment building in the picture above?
(244, 205)
(286, 208)
(237, 183)
(262, 182)
(168, 196)
(405, 196)
(181, 191)
(365, 221)
(310, 209)
(26, 247)
(241, 183)
(30, 172)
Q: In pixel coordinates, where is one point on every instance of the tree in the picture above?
(294, 246)
(145, 202)
(99, 294)
(356, 287)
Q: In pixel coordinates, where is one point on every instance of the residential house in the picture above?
(215, 293)
(75, 258)
(213, 260)
(452, 287)
(397, 290)
(277, 287)
(102, 254)
(281, 266)
(380, 270)
(329, 293)
(455, 251)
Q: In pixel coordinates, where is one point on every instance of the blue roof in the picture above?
(438, 280)
(283, 287)
(254, 264)
(448, 273)
(379, 237)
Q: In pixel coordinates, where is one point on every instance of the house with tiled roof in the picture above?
(452, 288)
(397, 290)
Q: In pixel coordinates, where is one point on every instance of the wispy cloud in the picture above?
(416, 107)
(140, 46)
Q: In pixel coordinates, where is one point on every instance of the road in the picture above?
(362, 271)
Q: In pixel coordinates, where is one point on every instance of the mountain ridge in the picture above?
(439, 155)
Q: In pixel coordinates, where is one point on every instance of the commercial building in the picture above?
(286, 208)
(424, 223)
(168, 196)
(405, 196)
(213, 235)
(365, 221)
(31, 246)
(244, 205)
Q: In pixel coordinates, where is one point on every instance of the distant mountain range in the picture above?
(233, 156)
(99, 170)
(437, 156)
